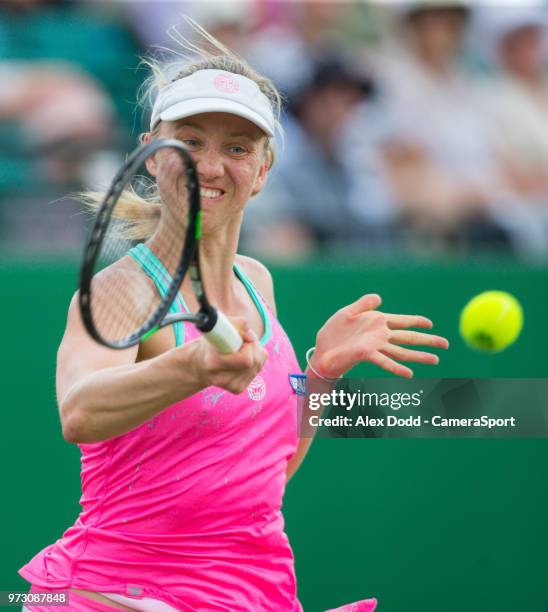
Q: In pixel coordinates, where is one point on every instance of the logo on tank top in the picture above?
(257, 388)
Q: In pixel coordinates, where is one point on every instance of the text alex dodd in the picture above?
(411, 421)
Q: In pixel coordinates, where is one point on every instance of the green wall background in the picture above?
(429, 525)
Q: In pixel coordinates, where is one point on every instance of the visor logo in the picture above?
(226, 84)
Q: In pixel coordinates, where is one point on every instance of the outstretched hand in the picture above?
(358, 332)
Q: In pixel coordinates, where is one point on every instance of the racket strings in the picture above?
(122, 303)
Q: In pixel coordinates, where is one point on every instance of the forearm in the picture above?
(295, 462)
(307, 432)
(113, 401)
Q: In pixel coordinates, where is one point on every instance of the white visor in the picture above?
(214, 91)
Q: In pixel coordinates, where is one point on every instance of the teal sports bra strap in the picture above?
(258, 300)
(156, 270)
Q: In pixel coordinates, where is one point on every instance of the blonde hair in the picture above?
(139, 214)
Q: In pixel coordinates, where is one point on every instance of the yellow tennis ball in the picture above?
(491, 321)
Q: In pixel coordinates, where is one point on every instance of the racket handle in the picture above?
(223, 335)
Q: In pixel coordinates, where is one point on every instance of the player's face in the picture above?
(230, 158)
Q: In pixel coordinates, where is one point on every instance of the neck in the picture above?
(217, 256)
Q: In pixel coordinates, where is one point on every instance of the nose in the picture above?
(209, 164)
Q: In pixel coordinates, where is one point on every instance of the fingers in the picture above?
(369, 301)
(243, 328)
(250, 356)
(249, 335)
(414, 338)
(235, 371)
(388, 364)
(404, 321)
(403, 354)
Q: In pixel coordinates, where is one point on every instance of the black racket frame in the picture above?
(206, 318)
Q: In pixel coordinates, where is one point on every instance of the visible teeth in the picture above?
(210, 193)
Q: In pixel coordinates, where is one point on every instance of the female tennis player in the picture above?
(186, 451)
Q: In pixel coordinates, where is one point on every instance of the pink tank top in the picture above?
(186, 508)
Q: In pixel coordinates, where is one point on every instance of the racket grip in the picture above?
(224, 336)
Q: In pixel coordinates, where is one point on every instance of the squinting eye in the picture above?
(190, 143)
(237, 150)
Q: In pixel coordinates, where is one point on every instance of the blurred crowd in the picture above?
(409, 129)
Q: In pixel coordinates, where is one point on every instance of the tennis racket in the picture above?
(134, 262)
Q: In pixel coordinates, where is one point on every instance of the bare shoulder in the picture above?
(260, 276)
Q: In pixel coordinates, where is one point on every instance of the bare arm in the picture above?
(103, 393)
(303, 447)
(356, 333)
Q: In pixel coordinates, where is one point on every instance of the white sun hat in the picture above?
(506, 20)
(214, 91)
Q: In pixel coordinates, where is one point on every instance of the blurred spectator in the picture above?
(288, 48)
(308, 201)
(155, 23)
(150, 21)
(64, 115)
(62, 61)
(229, 22)
(516, 100)
(430, 157)
(62, 119)
(436, 145)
